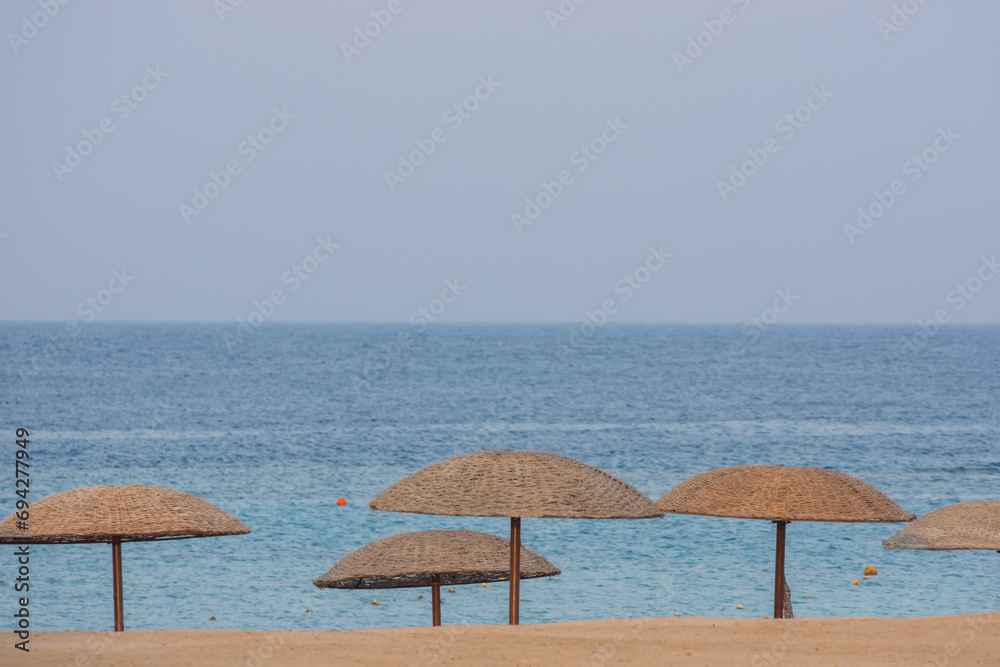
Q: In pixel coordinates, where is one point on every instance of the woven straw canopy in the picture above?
(973, 525)
(516, 484)
(778, 493)
(119, 513)
(408, 560)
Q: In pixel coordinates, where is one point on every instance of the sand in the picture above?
(948, 640)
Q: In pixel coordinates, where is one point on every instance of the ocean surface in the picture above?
(277, 424)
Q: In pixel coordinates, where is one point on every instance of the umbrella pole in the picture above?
(436, 598)
(779, 569)
(515, 568)
(116, 574)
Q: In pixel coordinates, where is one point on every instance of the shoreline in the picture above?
(935, 640)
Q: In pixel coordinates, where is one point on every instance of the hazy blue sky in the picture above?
(198, 81)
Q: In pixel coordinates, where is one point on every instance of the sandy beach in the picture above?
(948, 640)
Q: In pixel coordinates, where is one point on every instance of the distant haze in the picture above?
(506, 161)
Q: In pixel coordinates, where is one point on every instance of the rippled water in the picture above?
(276, 428)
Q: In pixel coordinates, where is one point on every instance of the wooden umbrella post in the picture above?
(436, 598)
(779, 569)
(116, 574)
(515, 568)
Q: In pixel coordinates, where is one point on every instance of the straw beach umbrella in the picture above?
(971, 525)
(781, 495)
(516, 485)
(432, 558)
(116, 514)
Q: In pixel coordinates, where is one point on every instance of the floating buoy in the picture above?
(374, 601)
(451, 590)
(486, 585)
(676, 614)
(856, 582)
(867, 577)
(341, 501)
(871, 570)
(805, 596)
(420, 597)
(309, 611)
(739, 606)
(211, 618)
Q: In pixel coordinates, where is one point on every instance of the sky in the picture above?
(682, 162)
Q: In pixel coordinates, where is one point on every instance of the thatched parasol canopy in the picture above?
(516, 484)
(433, 558)
(409, 560)
(119, 513)
(779, 493)
(972, 525)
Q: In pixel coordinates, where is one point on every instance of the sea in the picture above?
(277, 423)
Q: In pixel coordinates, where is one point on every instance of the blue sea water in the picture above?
(278, 426)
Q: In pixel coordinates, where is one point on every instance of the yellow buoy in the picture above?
(867, 577)
(676, 614)
(486, 585)
(805, 596)
(451, 590)
(420, 597)
(871, 570)
(374, 601)
(856, 582)
(309, 611)
(739, 606)
(211, 618)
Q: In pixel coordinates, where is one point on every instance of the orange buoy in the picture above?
(211, 618)
(871, 570)
(341, 501)
(856, 582)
